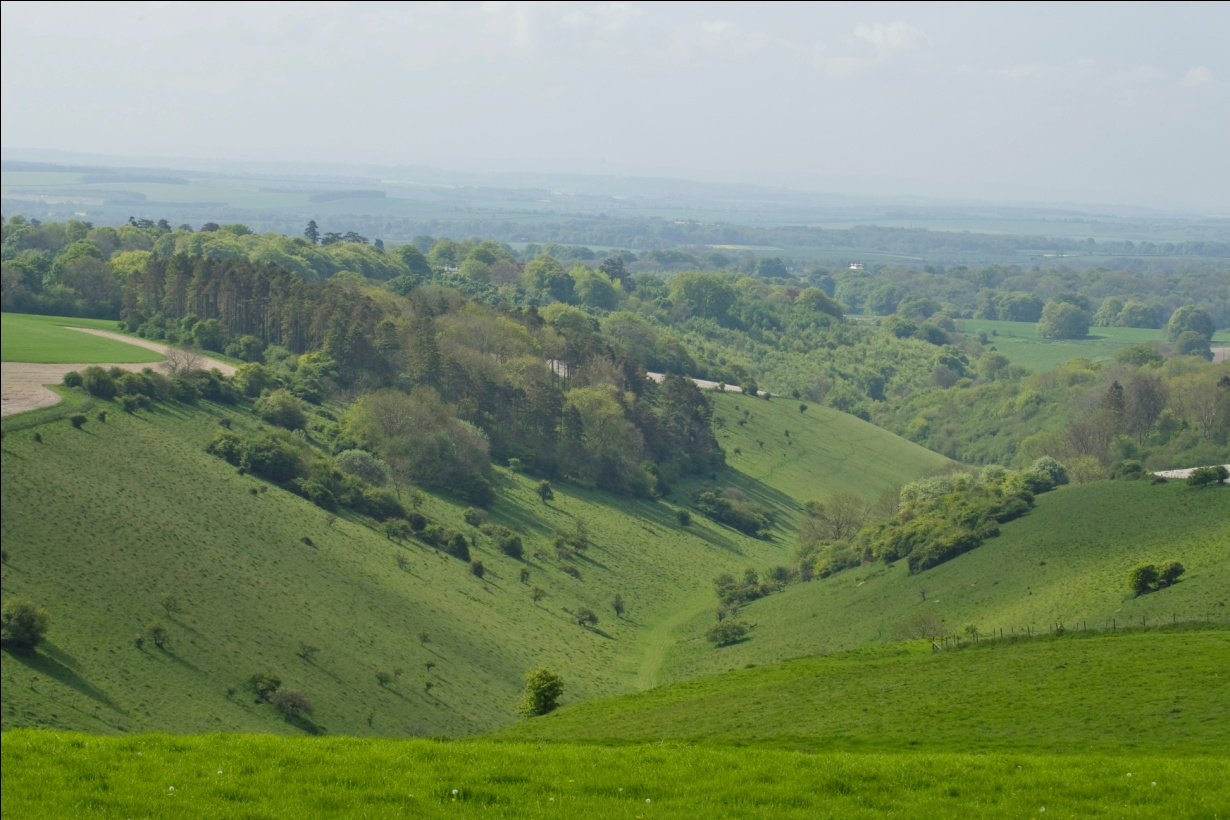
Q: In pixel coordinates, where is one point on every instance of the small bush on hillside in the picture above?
(77, 420)
(283, 408)
(158, 634)
(543, 689)
(585, 617)
(265, 684)
(474, 516)
(545, 493)
(72, 379)
(458, 547)
(1169, 571)
(99, 383)
(727, 632)
(1207, 476)
(477, 569)
(292, 703)
(23, 624)
(417, 522)
(1143, 578)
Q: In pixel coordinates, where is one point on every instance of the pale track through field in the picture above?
(23, 384)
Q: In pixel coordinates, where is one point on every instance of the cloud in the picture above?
(1017, 72)
(889, 36)
(715, 35)
(1196, 75)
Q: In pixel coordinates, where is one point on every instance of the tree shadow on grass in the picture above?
(49, 663)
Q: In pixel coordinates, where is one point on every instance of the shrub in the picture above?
(585, 617)
(158, 634)
(458, 547)
(265, 684)
(1207, 476)
(417, 522)
(292, 703)
(727, 632)
(1169, 571)
(477, 569)
(373, 470)
(308, 651)
(384, 677)
(543, 689)
(77, 420)
(545, 493)
(1142, 578)
(474, 517)
(683, 517)
(72, 379)
(283, 408)
(99, 383)
(23, 624)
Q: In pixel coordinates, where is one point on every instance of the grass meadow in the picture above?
(49, 340)
(1020, 342)
(234, 776)
(1066, 562)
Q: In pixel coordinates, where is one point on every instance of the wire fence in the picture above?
(975, 635)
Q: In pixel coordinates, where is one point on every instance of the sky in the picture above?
(1125, 103)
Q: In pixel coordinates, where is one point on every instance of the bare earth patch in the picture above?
(23, 384)
(1221, 354)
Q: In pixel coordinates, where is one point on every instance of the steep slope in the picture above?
(130, 522)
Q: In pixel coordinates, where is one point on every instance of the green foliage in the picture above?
(78, 420)
(1063, 320)
(730, 507)
(23, 624)
(98, 383)
(72, 379)
(264, 684)
(1143, 578)
(1208, 476)
(543, 689)
(292, 703)
(283, 408)
(727, 632)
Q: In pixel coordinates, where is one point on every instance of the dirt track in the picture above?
(23, 383)
(1221, 354)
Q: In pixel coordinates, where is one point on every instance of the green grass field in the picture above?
(48, 340)
(1019, 341)
(1146, 691)
(97, 531)
(218, 776)
(1066, 562)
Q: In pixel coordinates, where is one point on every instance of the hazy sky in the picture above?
(1123, 102)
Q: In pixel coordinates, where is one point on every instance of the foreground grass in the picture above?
(49, 340)
(65, 775)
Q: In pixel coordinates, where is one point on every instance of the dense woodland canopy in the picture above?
(542, 352)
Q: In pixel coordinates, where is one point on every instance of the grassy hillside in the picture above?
(46, 340)
(99, 532)
(1148, 692)
(1065, 562)
(218, 776)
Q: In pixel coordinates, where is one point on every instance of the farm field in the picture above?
(49, 340)
(1019, 341)
(215, 776)
(1066, 562)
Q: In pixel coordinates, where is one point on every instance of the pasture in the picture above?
(49, 340)
(1020, 342)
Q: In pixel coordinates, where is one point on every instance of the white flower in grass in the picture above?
(454, 792)
(647, 800)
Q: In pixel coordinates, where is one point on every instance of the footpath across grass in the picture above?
(52, 774)
(50, 340)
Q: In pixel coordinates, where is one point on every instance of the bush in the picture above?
(72, 379)
(458, 547)
(1169, 572)
(292, 703)
(474, 517)
(77, 420)
(1142, 578)
(23, 624)
(727, 632)
(477, 569)
(99, 383)
(265, 684)
(545, 493)
(585, 617)
(543, 689)
(1207, 476)
(283, 408)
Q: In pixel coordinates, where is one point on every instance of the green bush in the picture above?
(72, 379)
(283, 408)
(459, 547)
(99, 383)
(77, 420)
(23, 624)
(1207, 476)
(543, 689)
(727, 632)
(292, 703)
(1169, 571)
(265, 684)
(1143, 578)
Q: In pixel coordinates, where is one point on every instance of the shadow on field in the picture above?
(57, 664)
